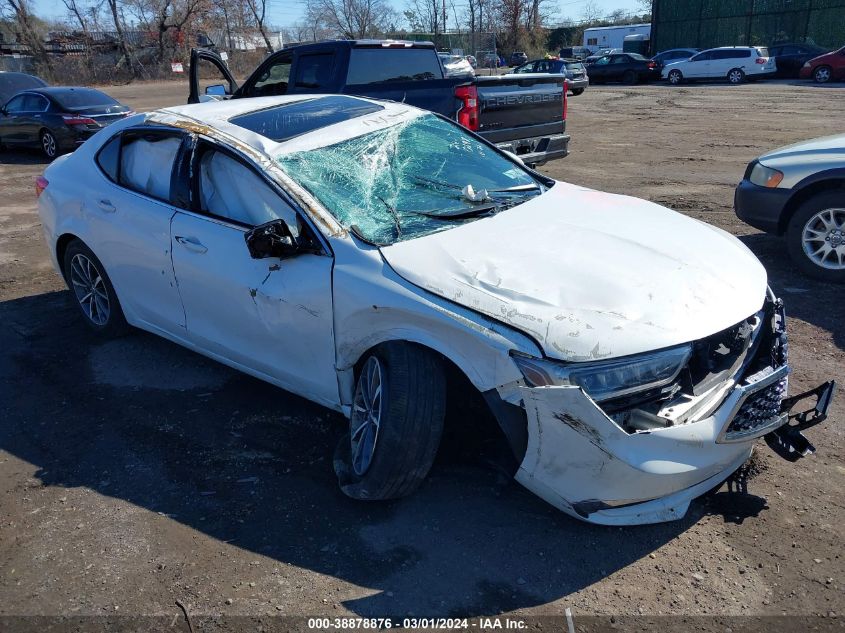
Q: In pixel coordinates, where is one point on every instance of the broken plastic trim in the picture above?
(788, 441)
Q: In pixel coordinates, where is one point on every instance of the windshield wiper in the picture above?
(460, 213)
(516, 188)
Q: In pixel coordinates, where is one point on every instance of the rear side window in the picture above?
(108, 158)
(35, 103)
(146, 163)
(314, 71)
(764, 52)
(385, 65)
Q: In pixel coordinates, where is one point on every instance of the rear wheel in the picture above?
(822, 74)
(396, 423)
(815, 236)
(675, 77)
(49, 145)
(736, 76)
(630, 77)
(93, 290)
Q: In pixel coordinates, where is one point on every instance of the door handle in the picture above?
(191, 243)
(106, 206)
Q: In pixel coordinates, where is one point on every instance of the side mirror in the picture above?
(272, 239)
(217, 90)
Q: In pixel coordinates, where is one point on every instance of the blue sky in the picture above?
(286, 12)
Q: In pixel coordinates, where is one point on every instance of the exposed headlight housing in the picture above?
(608, 379)
(763, 176)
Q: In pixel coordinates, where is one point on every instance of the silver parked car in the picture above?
(798, 191)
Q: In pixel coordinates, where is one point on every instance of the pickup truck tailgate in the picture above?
(513, 106)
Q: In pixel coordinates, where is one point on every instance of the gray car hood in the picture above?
(590, 275)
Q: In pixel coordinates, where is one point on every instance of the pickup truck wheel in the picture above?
(630, 77)
(93, 291)
(815, 236)
(736, 76)
(577, 91)
(675, 77)
(396, 423)
(821, 75)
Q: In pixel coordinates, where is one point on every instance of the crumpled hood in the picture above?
(590, 275)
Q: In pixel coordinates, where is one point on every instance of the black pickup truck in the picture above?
(525, 114)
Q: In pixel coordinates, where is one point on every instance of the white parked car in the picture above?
(734, 63)
(364, 253)
(456, 65)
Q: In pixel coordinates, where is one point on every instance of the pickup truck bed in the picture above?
(522, 114)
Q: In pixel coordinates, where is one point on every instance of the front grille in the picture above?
(759, 410)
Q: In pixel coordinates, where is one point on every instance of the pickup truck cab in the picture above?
(523, 115)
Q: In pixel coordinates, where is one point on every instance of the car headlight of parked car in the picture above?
(605, 380)
(763, 176)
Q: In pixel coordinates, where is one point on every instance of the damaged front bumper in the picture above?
(583, 462)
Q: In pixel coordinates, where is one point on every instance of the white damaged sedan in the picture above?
(374, 257)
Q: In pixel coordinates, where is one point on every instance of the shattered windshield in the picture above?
(413, 178)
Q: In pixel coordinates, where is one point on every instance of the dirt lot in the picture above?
(134, 473)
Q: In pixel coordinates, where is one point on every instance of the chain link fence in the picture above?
(709, 23)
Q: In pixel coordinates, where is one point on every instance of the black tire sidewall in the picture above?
(741, 77)
(825, 200)
(822, 81)
(116, 323)
(406, 446)
(577, 91)
(629, 77)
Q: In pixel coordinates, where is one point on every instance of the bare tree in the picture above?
(425, 16)
(351, 19)
(258, 9)
(76, 10)
(26, 22)
(122, 44)
(592, 12)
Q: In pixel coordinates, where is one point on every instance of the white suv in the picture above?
(734, 63)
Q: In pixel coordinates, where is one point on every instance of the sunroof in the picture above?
(284, 122)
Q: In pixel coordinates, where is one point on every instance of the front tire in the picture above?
(577, 91)
(822, 75)
(815, 236)
(93, 291)
(396, 423)
(736, 76)
(49, 144)
(629, 78)
(676, 77)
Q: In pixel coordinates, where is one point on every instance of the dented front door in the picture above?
(270, 316)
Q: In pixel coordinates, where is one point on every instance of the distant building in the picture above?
(250, 40)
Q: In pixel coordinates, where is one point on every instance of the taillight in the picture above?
(75, 119)
(565, 100)
(652, 65)
(40, 185)
(468, 112)
(761, 60)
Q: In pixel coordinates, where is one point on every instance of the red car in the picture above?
(825, 68)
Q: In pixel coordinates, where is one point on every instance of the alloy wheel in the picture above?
(823, 239)
(822, 75)
(90, 289)
(674, 77)
(735, 76)
(48, 144)
(366, 415)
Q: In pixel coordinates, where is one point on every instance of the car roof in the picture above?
(215, 119)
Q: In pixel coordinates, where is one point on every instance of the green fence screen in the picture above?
(709, 23)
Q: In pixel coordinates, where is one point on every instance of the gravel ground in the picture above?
(134, 473)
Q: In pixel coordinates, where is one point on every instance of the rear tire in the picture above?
(815, 236)
(629, 78)
(396, 423)
(676, 77)
(822, 75)
(736, 76)
(93, 292)
(49, 144)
